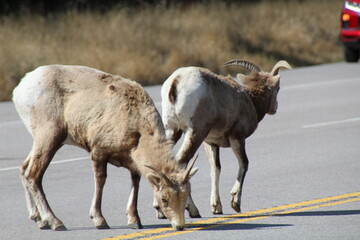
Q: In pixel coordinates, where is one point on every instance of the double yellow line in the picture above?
(244, 217)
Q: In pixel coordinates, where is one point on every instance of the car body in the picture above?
(350, 30)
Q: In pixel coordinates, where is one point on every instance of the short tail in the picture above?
(173, 91)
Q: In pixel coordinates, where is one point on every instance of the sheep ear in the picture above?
(273, 80)
(160, 174)
(154, 180)
(243, 78)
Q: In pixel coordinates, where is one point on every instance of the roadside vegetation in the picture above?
(147, 44)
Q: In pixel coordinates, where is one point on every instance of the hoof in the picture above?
(236, 207)
(195, 215)
(217, 212)
(135, 225)
(103, 226)
(193, 212)
(100, 222)
(43, 225)
(60, 228)
(216, 209)
(160, 215)
(57, 225)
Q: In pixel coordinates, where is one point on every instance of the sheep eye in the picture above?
(164, 201)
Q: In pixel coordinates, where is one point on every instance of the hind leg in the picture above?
(192, 209)
(47, 141)
(213, 155)
(238, 147)
(33, 211)
(173, 134)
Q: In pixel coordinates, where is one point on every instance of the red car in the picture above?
(350, 30)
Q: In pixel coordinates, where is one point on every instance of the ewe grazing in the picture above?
(112, 118)
(220, 112)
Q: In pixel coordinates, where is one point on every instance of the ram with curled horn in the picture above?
(218, 111)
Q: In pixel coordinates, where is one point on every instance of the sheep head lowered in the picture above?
(262, 86)
(172, 194)
(111, 117)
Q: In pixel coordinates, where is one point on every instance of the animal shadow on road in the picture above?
(239, 226)
(249, 226)
(125, 227)
(322, 213)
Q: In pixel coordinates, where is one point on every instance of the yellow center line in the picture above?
(293, 205)
(249, 216)
(140, 234)
(249, 219)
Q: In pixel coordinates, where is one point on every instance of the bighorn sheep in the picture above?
(111, 117)
(220, 112)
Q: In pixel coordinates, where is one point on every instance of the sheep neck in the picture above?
(260, 105)
(156, 152)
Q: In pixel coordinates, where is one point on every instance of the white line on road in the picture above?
(2, 124)
(331, 123)
(52, 163)
(319, 84)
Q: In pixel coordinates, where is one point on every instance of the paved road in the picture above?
(303, 181)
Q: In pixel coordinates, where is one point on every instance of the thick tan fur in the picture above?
(111, 117)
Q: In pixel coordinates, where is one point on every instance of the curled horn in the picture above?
(243, 63)
(278, 65)
(167, 180)
(189, 167)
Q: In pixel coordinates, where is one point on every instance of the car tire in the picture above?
(351, 54)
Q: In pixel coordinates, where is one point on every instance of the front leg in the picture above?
(192, 142)
(191, 208)
(173, 134)
(212, 153)
(238, 146)
(131, 211)
(99, 168)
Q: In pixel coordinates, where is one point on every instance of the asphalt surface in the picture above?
(308, 153)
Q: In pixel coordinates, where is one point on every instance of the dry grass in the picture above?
(147, 45)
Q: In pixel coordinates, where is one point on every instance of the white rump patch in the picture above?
(26, 94)
(190, 89)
